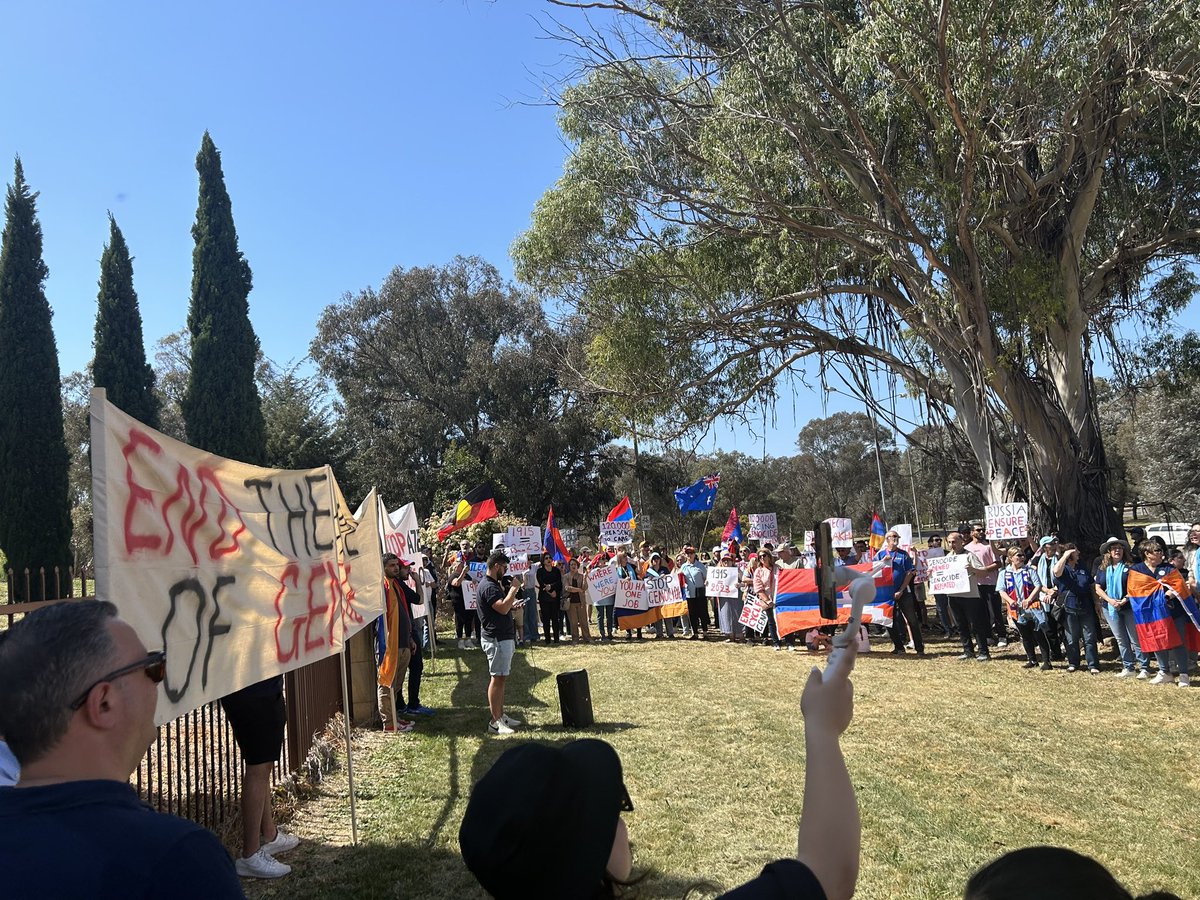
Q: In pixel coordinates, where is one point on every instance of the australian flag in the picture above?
(698, 497)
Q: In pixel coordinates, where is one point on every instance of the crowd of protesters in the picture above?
(1036, 592)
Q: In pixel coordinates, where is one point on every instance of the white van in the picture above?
(1174, 533)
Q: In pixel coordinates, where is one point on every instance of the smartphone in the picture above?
(826, 590)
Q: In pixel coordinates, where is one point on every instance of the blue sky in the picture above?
(402, 133)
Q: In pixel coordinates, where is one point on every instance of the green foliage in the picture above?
(76, 400)
(120, 365)
(448, 377)
(35, 514)
(221, 406)
(479, 534)
(301, 430)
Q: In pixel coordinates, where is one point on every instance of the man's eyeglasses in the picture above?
(935, 540)
(153, 664)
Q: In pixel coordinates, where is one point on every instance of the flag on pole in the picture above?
(622, 512)
(878, 531)
(733, 528)
(477, 506)
(698, 497)
(555, 546)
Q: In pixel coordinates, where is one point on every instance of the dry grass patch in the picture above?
(954, 763)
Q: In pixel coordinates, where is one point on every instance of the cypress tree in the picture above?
(35, 513)
(120, 365)
(221, 407)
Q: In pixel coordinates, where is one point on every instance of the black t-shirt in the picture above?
(549, 578)
(784, 879)
(96, 839)
(497, 626)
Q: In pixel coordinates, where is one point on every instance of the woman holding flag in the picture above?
(1156, 591)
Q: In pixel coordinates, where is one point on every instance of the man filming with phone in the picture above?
(497, 597)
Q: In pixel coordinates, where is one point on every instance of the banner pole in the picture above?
(704, 530)
(346, 716)
(432, 636)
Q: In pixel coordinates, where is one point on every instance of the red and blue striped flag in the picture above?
(555, 545)
(797, 609)
(622, 512)
(878, 532)
(1152, 618)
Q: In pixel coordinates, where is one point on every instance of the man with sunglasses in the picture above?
(987, 583)
(78, 713)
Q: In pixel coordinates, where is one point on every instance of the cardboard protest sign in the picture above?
(470, 594)
(948, 574)
(764, 527)
(922, 563)
(518, 564)
(523, 539)
(666, 593)
(810, 542)
(615, 534)
(1006, 520)
(632, 594)
(602, 581)
(239, 573)
(476, 571)
(721, 581)
(569, 535)
(905, 532)
(754, 615)
(842, 531)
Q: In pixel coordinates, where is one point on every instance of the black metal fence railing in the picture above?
(192, 769)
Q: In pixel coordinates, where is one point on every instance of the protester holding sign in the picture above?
(496, 601)
(987, 583)
(969, 608)
(764, 590)
(602, 586)
(550, 592)
(1021, 592)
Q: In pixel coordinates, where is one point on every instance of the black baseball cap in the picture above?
(576, 792)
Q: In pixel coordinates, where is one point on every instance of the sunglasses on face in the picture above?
(935, 540)
(153, 664)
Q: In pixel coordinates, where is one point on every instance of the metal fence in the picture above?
(192, 769)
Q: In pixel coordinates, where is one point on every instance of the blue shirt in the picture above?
(902, 564)
(96, 839)
(694, 574)
(1076, 587)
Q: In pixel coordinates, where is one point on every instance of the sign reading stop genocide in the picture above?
(1006, 520)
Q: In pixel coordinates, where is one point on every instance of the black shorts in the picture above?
(257, 724)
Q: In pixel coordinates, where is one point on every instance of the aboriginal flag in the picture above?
(477, 506)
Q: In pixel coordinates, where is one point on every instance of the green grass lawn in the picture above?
(954, 763)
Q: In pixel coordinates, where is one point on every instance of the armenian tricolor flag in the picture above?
(622, 512)
(1152, 618)
(878, 531)
(797, 609)
(733, 528)
(555, 545)
(477, 506)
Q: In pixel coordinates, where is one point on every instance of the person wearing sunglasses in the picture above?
(80, 691)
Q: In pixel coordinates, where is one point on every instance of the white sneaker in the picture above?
(282, 844)
(1161, 678)
(1124, 673)
(1143, 675)
(1185, 680)
(462, 645)
(499, 728)
(509, 720)
(260, 865)
(1001, 644)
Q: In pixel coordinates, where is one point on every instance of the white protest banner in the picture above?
(602, 581)
(403, 532)
(764, 527)
(632, 594)
(754, 615)
(476, 571)
(810, 542)
(842, 531)
(905, 532)
(239, 573)
(665, 590)
(518, 564)
(1006, 520)
(721, 581)
(569, 535)
(523, 538)
(498, 539)
(614, 534)
(470, 594)
(948, 574)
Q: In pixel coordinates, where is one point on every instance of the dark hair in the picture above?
(47, 659)
(497, 557)
(1048, 873)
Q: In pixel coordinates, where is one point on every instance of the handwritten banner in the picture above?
(922, 562)
(948, 574)
(664, 590)
(754, 615)
(632, 594)
(518, 564)
(842, 531)
(477, 571)
(602, 581)
(523, 539)
(721, 581)
(240, 573)
(470, 594)
(764, 527)
(614, 534)
(1006, 520)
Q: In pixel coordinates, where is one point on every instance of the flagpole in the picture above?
(704, 530)
(346, 716)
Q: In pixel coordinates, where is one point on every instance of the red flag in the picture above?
(733, 528)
